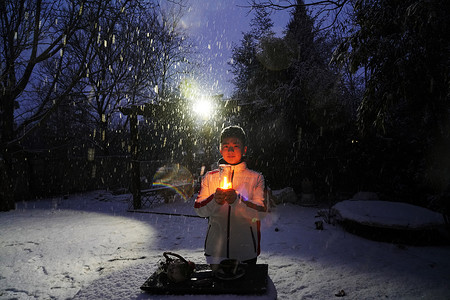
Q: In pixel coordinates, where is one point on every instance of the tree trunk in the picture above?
(135, 164)
(6, 186)
(6, 136)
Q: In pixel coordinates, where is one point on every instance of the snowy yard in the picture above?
(89, 247)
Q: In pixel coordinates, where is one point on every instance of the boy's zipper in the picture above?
(228, 232)
(229, 220)
(207, 233)
(253, 238)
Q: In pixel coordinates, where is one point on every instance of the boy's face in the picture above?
(232, 150)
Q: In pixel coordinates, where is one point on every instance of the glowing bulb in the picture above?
(203, 108)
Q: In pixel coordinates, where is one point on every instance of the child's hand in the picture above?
(230, 196)
(219, 196)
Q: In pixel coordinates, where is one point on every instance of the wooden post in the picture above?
(135, 164)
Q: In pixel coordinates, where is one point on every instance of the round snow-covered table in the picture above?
(390, 221)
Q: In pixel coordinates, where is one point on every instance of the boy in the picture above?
(234, 214)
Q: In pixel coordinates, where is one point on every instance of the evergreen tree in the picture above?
(292, 97)
(404, 47)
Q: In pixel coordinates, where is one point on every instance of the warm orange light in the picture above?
(226, 185)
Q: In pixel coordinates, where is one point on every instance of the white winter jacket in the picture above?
(233, 230)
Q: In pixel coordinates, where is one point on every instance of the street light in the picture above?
(203, 107)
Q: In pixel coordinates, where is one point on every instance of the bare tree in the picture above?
(174, 52)
(330, 9)
(122, 55)
(34, 33)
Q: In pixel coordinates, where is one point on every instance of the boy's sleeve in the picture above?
(256, 202)
(205, 205)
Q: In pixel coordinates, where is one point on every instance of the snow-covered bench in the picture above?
(160, 192)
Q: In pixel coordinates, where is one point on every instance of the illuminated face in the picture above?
(232, 150)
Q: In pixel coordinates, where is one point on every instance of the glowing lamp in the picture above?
(226, 184)
(203, 107)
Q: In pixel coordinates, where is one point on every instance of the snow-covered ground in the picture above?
(89, 247)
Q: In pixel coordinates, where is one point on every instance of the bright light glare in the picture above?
(203, 108)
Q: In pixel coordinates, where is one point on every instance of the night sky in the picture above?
(215, 26)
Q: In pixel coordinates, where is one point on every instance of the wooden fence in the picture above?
(43, 177)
